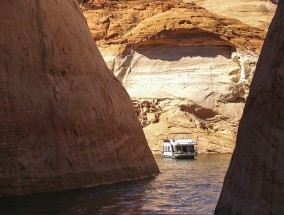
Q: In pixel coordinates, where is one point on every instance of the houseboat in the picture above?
(179, 148)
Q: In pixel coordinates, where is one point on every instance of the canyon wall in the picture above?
(195, 65)
(65, 119)
(254, 181)
(257, 13)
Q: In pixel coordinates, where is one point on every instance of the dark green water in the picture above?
(183, 187)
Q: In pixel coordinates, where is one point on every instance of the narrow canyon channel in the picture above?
(182, 187)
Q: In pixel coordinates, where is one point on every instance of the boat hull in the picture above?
(180, 156)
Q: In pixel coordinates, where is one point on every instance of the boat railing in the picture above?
(184, 153)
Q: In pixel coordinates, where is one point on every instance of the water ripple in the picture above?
(183, 187)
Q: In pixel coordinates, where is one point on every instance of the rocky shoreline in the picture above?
(160, 117)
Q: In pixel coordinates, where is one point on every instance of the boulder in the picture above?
(153, 118)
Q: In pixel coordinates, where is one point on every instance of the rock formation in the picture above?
(65, 120)
(254, 183)
(257, 13)
(198, 64)
(148, 112)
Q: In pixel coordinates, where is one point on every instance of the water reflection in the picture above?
(184, 186)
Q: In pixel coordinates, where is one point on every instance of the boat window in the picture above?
(169, 149)
(178, 148)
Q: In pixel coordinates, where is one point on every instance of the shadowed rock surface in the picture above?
(65, 120)
(254, 183)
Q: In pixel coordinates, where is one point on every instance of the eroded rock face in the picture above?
(65, 120)
(198, 64)
(254, 182)
(257, 13)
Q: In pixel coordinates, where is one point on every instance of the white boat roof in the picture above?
(181, 142)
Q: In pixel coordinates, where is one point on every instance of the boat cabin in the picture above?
(179, 148)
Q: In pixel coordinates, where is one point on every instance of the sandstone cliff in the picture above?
(196, 65)
(254, 182)
(65, 120)
(257, 13)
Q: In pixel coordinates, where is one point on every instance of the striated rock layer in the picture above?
(65, 120)
(198, 65)
(254, 183)
(257, 13)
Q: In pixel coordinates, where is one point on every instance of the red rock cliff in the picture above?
(254, 183)
(65, 120)
(196, 64)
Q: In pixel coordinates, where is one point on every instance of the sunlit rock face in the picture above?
(254, 182)
(197, 64)
(65, 120)
(176, 72)
(257, 13)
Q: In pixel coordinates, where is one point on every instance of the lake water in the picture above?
(183, 187)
